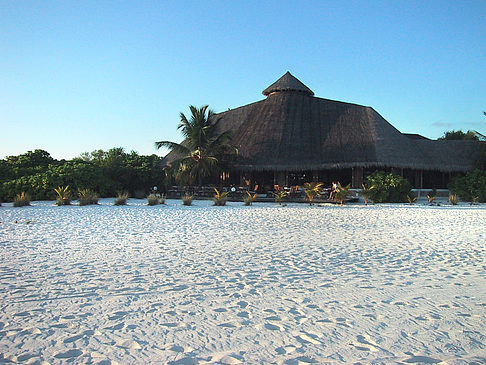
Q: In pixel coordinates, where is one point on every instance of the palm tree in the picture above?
(366, 192)
(311, 190)
(203, 150)
(342, 193)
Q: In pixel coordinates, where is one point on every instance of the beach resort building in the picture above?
(292, 136)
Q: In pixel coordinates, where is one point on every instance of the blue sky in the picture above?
(76, 76)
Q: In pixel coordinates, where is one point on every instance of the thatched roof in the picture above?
(287, 83)
(291, 130)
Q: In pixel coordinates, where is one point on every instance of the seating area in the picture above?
(236, 193)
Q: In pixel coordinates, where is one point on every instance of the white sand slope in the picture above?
(229, 285)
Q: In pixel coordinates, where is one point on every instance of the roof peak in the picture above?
(287, 82)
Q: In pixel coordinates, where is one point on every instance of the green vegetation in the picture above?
(153, 199)
(87, 197)
(106, 172)
(280, 195)
(220, 198)
(121, 198)
(366, 192)
(187, 199)
(63, 195)
(431, 195)
(342, 192)
(411, 198)
(471, 187)
(21, 200)
(311, 190)
(453, 199)
(388, 187)
(249, 198)
(204, 152)
(460, 135)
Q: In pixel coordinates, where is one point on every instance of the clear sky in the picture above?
(76, 76)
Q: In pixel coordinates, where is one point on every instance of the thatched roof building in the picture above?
(291, 130)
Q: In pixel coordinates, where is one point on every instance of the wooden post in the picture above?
(357, 177)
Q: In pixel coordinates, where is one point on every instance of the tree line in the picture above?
(105, 172)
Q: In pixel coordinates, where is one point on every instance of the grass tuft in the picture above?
(87, 197)
(63, 196)
(187, 199)
(454, 199)
(220, 198)
(22, 200)
(121, 199)
(249, 198)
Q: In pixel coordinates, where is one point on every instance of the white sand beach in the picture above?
(255, 285)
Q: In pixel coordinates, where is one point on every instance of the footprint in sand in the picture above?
(182, 349)
(301, 360)
(229, 325)
(170, 324)
(273, 327)
(117, 315)
(69, 354)
(307, 338)
(421, 360)
(131, 345)
(242, 304)
(285, 350)
(244, 314)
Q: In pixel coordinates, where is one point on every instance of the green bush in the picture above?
(21, 200)
(471, 187)
(187, 199)
(388, 187)
(453, 199)
(105, 172)
(248, 199)
(121, 198)
(87, 197)
(63, 195)
(220, 198)
(153, 199)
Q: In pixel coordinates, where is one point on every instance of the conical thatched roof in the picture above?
(292, 130)
(287, 83)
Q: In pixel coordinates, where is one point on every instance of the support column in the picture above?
(357, 177)
(419, 179)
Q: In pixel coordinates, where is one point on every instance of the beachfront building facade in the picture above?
(292, 137)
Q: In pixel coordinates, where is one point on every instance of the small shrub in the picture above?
(280, 195)
(21, 200)
(220, 198)
(453, 199)
(187, 199)
(249, 198)
(87, 197)
(311, 190)
(411, 198)
(432, 195)
(342, 192)
(153, 199)
(388, 187)
(366, 192)
(470, 186)
(63, 195)
(121, 199)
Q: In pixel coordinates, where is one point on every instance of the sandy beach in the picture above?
(264, 284)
